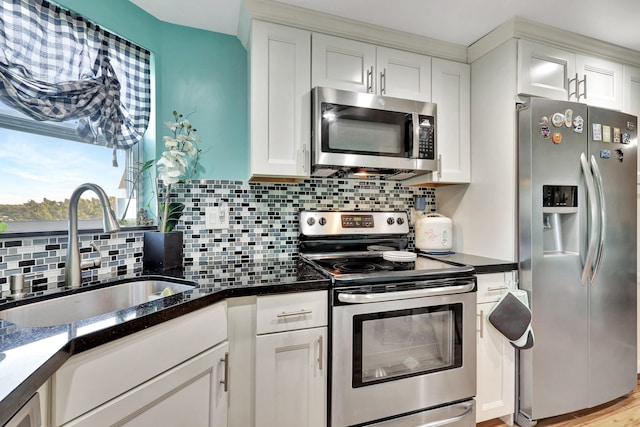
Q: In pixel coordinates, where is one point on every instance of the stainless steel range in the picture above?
(402, 325)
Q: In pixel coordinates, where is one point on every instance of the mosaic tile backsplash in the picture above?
(262, 225)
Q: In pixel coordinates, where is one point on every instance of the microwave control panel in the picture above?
(427, 147)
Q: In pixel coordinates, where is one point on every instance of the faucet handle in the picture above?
(93, 262)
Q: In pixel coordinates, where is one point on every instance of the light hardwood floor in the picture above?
(623, 412)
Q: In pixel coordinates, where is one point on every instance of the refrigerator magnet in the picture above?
(616, 135)
(626, 138)
(597, 132)
(568, 117)
(545, 132)
(578, 124)
(544, 121)
(556, 138)
(606, 133)
(605, 154)
(557, 119)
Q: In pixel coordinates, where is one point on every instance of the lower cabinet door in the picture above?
(192, 394)
(291, 379)
(496, 370)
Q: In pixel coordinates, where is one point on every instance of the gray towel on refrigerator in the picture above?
(512, 318)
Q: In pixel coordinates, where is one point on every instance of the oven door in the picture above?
(402, 352)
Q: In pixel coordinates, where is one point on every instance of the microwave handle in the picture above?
(415, 120)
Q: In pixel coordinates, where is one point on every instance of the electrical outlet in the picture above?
(217, 217)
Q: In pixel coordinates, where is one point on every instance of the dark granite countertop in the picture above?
(29, 356)
(483, 265)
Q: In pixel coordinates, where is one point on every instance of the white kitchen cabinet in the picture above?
(280, 101)
(362, 67)
(451, 87)
(134, 361)
(495, 396)
(603, 82)
(291, 378)
(343, 64)
(631, 104)
(403, 74)
(554, 73)
(192, 394)
(291, 360)
(631, 90)
(544, 70)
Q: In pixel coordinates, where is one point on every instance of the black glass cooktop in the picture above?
(372, 267)
(355, 265)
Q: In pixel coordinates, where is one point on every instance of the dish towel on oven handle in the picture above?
(511, 316)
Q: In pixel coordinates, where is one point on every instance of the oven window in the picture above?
(404, 343)
(356, 130)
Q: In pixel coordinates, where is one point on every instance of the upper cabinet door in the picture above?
(601, 82)
(631, 105)
(545, 71)
(452, 94)
(403, 74)
(343, 64)
(280, 59)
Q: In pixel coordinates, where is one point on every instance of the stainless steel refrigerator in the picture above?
(577, 256)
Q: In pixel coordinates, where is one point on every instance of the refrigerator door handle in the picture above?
(591, 194)
(603, 218)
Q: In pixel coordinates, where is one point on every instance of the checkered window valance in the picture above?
(57, 66)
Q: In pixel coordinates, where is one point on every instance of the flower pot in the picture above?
(163, 253)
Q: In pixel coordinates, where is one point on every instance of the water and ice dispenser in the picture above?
(560, 219)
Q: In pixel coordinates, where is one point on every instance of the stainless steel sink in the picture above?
(91, 303)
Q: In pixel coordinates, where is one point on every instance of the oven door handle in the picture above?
(414, 293)
(468, 408)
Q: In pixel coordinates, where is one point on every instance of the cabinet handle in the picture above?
(497, 288)
(305, 156)
(439, 166)
(294, 313)
(370, 80)
(584, 84)
(574, 93)
(383, 81)
(225, 381)
(481, 324)
(320, 353)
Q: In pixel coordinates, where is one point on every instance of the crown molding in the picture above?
(518, 27)
(293, 16)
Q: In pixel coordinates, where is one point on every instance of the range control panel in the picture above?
(336, 223)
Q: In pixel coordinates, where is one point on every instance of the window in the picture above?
(42, 163)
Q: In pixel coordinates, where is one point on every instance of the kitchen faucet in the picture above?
(73, 267)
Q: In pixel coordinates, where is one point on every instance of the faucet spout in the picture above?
(72, 270)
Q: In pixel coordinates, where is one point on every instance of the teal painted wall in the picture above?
(195, 70)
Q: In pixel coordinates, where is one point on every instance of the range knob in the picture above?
(322, 221)
(311, 221)
(400, 221)
(390, 221)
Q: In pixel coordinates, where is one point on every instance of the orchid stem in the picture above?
(166, 209)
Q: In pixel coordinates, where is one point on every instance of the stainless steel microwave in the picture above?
(360, 134)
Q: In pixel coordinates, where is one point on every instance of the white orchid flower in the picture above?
(179, 161)
(172, 125)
